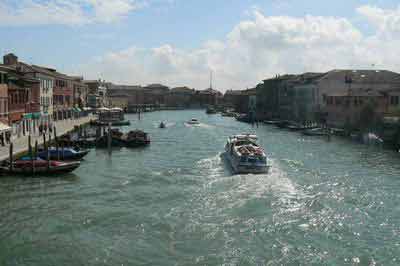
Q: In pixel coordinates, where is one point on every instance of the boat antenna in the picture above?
(211, 76)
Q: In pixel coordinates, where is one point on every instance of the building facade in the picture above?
(19, 95)
(179, 97)
(80, 92)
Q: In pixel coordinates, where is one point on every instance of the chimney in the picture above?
(10, 59)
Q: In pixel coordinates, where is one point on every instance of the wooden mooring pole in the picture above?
(48, 153)
(109, 139)
(30, 153)
(11, 157)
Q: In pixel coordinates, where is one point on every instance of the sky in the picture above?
(179, 42)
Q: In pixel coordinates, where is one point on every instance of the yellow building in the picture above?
(120, 101)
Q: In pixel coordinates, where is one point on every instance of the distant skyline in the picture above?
(177, 42)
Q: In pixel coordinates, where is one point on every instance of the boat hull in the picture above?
(114, 123)
(248, 168)
(42, 169)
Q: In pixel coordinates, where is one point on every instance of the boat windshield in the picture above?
(245, 142)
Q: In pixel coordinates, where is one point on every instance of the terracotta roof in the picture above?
(122, 90)
(12, 71)
(209, 91)
(363, 76)
(233, 92)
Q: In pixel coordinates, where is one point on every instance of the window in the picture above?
(394, 100)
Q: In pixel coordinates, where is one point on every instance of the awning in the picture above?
(36, 115)
(32, 115)
(4, 128)
(28, 116)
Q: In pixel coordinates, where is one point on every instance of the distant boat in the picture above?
(162, 125)
(193, 121)
(245, 155)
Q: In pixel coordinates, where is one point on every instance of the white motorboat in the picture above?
(193, 121)
(245, 155)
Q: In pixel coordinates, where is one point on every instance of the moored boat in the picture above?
(39, 166)
(296, 126)
(271, 122)
(211, 110)
(316, 132)
(113, 123)
(282, 124)
(63, 154)
(245, 155)
(132, 139)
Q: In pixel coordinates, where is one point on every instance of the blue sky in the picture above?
(82, 35)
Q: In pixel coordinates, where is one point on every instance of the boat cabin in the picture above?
(111, 115)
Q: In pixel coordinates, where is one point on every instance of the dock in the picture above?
(63, 127)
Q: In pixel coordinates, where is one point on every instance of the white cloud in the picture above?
(386, 21)
(255, 49)
(64, 12)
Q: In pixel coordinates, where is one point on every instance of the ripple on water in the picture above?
(177, 203)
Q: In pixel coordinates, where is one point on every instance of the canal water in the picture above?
(177, 203)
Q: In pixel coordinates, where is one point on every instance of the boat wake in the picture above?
(275, 181)
(212, 167)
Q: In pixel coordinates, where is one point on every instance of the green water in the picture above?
(176, 203)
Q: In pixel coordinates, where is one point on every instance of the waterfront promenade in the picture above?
(21, 143)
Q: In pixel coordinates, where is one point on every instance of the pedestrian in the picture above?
(40, 129)
(8, 137)
(2, 139)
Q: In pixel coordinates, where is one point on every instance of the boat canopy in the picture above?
(245, 136)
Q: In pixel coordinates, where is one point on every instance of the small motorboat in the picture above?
(193, 121)
(26, 166)
(245, 155)
(282, 124)
(63, 154)
(162, 125)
